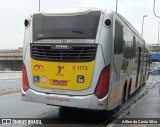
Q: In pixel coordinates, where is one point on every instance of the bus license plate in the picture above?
(59, 82)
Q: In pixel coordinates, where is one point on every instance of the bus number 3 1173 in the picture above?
(79, 68)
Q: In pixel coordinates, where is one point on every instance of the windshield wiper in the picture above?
(78, 32)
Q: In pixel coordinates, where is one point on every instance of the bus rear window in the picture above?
(66, 27)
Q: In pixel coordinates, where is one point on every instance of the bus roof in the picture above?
(69, 11)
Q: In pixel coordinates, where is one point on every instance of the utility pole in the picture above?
(158, 39)
(39, 5)
(116, 5)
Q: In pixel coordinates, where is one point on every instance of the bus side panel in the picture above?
(115, 95)
(27, 38)
(105, 39)
(27, 63)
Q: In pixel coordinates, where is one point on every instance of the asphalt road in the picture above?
(11, 106)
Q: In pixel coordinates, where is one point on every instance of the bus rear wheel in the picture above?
(129, 89)
(124, 94)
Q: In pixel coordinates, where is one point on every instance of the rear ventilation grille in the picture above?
(75, 53)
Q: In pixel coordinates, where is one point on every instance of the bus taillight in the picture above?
(24, 78)
(103, 83)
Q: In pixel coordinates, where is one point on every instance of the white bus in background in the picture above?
(83, 58)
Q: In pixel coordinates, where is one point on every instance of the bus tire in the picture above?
(124, 94)
(129, 89)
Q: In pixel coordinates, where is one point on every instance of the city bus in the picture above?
(85, 58)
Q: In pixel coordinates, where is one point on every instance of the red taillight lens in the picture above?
(103, 83)
(24, 78)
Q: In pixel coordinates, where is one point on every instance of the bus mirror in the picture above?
(26, 23)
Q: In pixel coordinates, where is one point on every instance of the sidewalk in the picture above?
(10, 75)
(148, 107)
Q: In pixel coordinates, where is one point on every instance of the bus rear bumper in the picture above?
(86, 102)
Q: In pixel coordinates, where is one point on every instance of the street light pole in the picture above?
(158, 48)
(143, 23)
(116, 5)
(39, 5)
(158, 38)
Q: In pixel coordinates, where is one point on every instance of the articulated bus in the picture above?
(82, 58)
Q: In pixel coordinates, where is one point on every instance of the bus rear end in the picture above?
(63, 61)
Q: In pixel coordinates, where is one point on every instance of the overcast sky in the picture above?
(13, 13)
